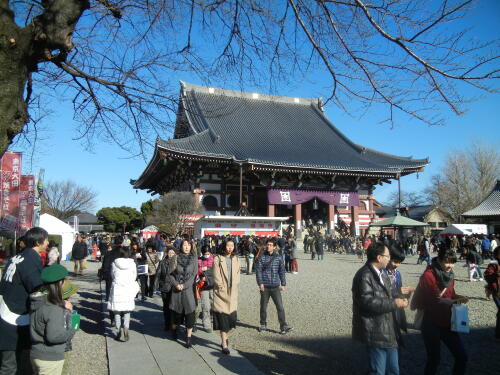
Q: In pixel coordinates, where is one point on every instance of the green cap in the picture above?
(54, 273)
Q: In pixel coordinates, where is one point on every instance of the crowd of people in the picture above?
(195, 279)
(199, 279)
(380, 297)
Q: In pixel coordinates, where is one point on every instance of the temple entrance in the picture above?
(315, 212)
(285, 210)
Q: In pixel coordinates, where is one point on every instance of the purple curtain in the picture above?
(290, 196)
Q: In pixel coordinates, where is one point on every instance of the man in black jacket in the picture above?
(78, 254)
(373, 320)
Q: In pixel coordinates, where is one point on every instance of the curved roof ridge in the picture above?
(250, 95)
(407, 158)
(360, 148)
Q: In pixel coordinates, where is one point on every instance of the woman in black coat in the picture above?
(163, 280)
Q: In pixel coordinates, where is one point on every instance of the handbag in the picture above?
(460, 318)
(142, 269)
(209, 278)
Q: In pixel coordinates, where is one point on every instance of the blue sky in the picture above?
(108, 169)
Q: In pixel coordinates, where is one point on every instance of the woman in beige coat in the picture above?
(226, 271)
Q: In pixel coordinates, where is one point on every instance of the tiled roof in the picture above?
(274, 131)
(490, 206)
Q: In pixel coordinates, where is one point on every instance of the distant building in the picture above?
(436, 217)
(488, 211)
(87, 223)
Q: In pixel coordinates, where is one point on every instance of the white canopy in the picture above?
(150, 228)
(464, 229)
(58, 227)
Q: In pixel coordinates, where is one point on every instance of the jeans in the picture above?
(320, 256)
(275, 294)
(424, 258)
(205, 305)
(433, 336)
(383, 361)
(118, 320)
(478, 269)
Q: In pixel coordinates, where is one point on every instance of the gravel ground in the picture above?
(318, 304)
(89, 345)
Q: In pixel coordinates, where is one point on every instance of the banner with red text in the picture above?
(10, 179)
(26, 202)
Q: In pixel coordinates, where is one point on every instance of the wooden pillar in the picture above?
(270, 210)
(298, 220)
(355, 220)
(331, 218)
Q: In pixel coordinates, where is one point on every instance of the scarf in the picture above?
(443, 278)
(184, 260)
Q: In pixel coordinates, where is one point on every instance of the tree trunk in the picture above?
(22, 49)
(14, 74)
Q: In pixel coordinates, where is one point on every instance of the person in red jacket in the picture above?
(492, 276)
(435, 294)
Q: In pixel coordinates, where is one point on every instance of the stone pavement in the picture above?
(151, 351)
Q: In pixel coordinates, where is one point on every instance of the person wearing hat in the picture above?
(21, 277)
(50, 322)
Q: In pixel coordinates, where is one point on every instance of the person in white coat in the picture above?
(124, 288)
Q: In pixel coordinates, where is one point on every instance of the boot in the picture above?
(118, 335)
(188, 342)
(125, 334)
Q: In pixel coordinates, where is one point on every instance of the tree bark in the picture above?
(14, 74)
(48, 38)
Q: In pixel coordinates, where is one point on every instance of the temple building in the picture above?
(488, 211)
(278, 155)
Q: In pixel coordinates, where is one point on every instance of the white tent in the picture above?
(55, 226)
(455, 229)
(149, 232)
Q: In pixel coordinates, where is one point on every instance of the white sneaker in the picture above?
(481, 279)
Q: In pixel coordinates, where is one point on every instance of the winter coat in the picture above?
(182, 301)
(225, 298)
(79, 251)
(373, 319)
(492, 277)
(124, 287)
(107, 261)
(426, 297)
(20, 277)
(50, 329)
(152, 260)
(270, 270)
(163, 276)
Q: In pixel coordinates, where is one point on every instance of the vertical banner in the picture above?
(38, 198)
(26, 203)
(10, 180)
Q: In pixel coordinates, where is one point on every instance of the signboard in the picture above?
(290, 196)
(26, 202)
(10, 180)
